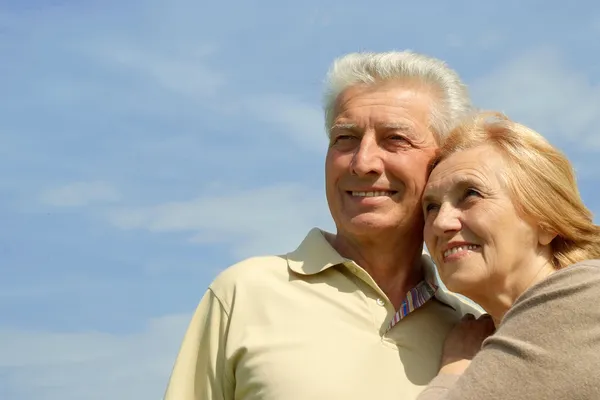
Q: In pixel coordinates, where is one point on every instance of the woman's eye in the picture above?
(430, 207)
(472, 192)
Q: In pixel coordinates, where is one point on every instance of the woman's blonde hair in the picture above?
(541, 181)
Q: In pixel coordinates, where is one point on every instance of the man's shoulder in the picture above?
(252, 271)
(313, 255)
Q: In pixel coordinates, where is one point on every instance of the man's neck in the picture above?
(395, 265)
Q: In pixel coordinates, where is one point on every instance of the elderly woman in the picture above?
(507, 228)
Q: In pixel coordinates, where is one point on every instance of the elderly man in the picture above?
(351, 315)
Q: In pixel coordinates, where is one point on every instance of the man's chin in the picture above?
(366, 223)
(374, 224)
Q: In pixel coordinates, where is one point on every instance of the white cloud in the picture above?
(261, 221)
(80, 194)
(302, 123)
(122, 59)
(181, 72)
(91, 365)
(483, 41)
(542, 90)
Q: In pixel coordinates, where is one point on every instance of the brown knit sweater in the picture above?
(546, 347)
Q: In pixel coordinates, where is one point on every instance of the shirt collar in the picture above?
(451, 299)
(315, 255)
(429, 271)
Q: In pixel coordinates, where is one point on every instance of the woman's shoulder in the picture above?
(571, 290)
(592, 265)
(571, 280)
(550, 331)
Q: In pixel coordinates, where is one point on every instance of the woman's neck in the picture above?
(500, 294)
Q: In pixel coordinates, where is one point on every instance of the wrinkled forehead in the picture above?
(481, 167)
(439, 184)
(392, 106)
(385, 95)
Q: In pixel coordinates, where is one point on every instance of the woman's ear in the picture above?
(545, 236)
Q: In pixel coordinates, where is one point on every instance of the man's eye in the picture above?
(399, 141)
(343, 142)
(343, 137)
(398, 138)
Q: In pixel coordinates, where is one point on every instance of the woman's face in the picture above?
(472, 229)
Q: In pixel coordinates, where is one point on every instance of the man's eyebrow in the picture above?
(344, 126)
(397, 126)
(388, 125)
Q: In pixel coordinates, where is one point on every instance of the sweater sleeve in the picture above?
(547, 346)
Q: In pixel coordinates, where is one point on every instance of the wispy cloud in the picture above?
(80, 194)
(261, 221)
(541, 89)
(187, 135)
(80, 64)
(302, 123)
(486, 40)
(181, 72)
(90, 365)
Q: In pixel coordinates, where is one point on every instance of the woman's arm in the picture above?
(548, 346)
(462, 344)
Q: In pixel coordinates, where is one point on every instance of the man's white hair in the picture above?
(453, 102)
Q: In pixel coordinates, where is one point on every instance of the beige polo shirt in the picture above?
(308, 325)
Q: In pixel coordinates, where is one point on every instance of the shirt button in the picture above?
(380, 302)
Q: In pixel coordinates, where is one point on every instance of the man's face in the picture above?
(376, 164)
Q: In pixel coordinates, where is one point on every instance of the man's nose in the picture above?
(367, 157)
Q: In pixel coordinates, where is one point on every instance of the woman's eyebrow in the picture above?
(428, 197)
(460, 183)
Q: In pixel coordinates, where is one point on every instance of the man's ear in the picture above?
(545, 236)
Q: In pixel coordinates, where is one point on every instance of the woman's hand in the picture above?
(464, 341)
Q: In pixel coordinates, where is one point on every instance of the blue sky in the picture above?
(146, 145)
